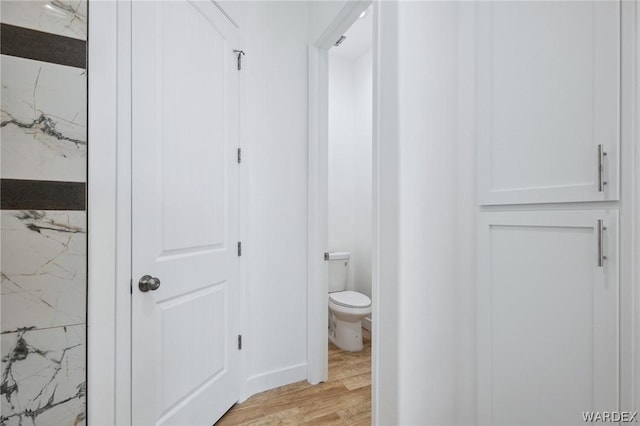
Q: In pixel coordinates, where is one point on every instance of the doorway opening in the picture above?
(342, 213)
(349, 200)
(350, 156)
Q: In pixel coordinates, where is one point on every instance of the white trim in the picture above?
(375, 228)
(385, 387)
(224, 12)
(243, 209)
(123, 218)
(276, 378)
(317, 203)
(366, 323)
(635, 218)
(102, 113)
(628, 170)
(341, 23)
(317, 237)
(109, 213)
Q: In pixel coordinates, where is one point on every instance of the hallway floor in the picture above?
(345, 399)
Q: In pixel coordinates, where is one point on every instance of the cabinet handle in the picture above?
(601, 181)
(600, 230)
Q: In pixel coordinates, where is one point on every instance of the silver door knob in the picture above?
(148, 282)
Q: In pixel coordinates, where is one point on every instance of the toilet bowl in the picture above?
(347, 309)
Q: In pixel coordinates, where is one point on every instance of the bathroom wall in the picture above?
(350, 180)
(43, 217)
(342, 159)
(363, 179)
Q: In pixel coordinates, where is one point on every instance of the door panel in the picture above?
(547, 317)
(548, 95)
(205, 309)
(192, 116)
(184, 225)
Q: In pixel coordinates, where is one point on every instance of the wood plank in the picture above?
(344, 399)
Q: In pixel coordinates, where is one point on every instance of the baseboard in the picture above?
(276, 378)
(366, 323)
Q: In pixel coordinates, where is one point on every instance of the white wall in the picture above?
(350, 180)
(635, 217)
(321, 14)
(431, 199)
(363, 178)
(342, 159)
(274, 138)
(427, 89)
(386, 384)
(466, 205)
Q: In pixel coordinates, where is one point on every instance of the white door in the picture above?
(547, 316)
(185, 210)
(548, 91)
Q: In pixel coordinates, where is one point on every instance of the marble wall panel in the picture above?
(43, 238)
(43, 377)
(62, 17)
(43, 268)
(43, 137)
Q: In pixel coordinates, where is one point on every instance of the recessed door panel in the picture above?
(207, 314)
(548, 94)
(194, 59)
(547, 316)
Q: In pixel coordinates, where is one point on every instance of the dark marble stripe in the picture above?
(41, 46)
(42, 195)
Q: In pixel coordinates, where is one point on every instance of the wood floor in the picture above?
(345, 399)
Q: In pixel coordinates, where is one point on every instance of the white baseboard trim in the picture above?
(366, 323)
(276, 378)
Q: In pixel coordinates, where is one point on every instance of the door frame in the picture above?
(109, 214)
(109, 191)
(317, 203)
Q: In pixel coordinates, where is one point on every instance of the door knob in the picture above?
(148, 282)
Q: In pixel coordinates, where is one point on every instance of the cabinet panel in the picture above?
(548, 93)
(547, 316)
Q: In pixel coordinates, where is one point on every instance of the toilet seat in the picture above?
(350, 299)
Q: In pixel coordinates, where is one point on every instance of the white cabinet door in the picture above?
(185, 213)
(547, 316)
(548, 94)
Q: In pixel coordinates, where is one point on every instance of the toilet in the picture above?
(346, 308)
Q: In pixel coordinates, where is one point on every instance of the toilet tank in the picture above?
(338, 270)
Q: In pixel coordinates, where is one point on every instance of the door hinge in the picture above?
(131, 286)
(240, 54)
(239, 248)
(239, 155)
(239, 342)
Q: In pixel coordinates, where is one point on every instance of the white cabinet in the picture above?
(548, 94)
(547, 316)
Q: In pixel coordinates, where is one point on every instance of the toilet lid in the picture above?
(350, 299)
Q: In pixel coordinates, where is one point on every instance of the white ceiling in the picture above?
(359, 38)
